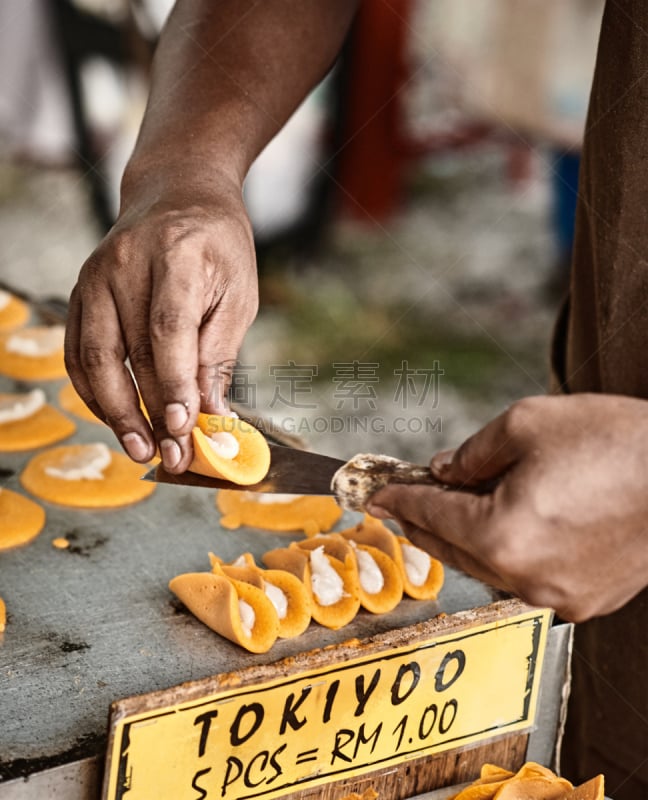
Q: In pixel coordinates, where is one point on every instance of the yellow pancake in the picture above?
(17, 365)
(13, 313)
(21, 520)
(308, 513)
(120, 486)
(70, 401)
(44, 427)
(3, 615)
(594, 789)
(297, 560)
(298, 611)
(533, 788)
(248, 466)
(214, 599)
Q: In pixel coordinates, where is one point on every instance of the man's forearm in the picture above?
(227, 74)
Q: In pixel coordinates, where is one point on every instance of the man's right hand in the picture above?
(173, 289)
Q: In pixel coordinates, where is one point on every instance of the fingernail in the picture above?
(136, 446)
(171, 454)
(442, 460)
(176, 416)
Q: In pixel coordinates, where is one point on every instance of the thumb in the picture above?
(483, 457)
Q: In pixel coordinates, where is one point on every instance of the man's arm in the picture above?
(566, 525)
(173, 285)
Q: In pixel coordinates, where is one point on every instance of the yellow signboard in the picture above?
(336, 721)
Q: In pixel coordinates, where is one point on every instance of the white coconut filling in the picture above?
(224, 444)
(240, 562)
(248, 617)
(327, 585)
(36, 342)
(21, 406)
(278, 599)
(5, 299)
(417, 564)
(270, 499)
(371, 578)
(89, 464)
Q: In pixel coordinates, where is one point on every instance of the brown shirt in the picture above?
(602, 345)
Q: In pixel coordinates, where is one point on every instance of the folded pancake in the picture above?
(480, 790)
(531, 782)
(379, 582)
(70, 401)
(331, 584)
(491, 772)
(27, 421)
(21, 520)
(229, 448)
(13, 311)
(533, 788)
(285, 591)
(594, 789)
(234, 609)
(374, 532)
(3, 615)
(86, 476)
(33, 354)
(291, 560)
(277, 512)
(422, 575)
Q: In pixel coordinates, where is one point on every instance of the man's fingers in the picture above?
(220, 340)
(452, 556)
(487, 454)
(72, 350)
(177, 305)
(101, 356)
(454, 526)
(446, 514)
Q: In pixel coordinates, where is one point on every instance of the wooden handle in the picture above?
(362, 476)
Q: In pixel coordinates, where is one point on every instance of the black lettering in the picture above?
(401, 725)
(236, 737)
(194, 783)
(342, 739)
(330, 697)
(264, 755)
(425, 730)
(204, 720)
(415, 670)
(363, 695)
(232, 762)
(362, 739)
(458, 656)
(274, 763)
(290, 707)
(445, 725)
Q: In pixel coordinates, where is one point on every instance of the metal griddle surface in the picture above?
(96, 622)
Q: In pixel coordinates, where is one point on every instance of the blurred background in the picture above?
(413, 220)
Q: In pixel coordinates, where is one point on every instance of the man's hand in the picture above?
(566, 525)
(173, 286)
(173, 289)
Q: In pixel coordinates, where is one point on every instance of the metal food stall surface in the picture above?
(95, 622)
